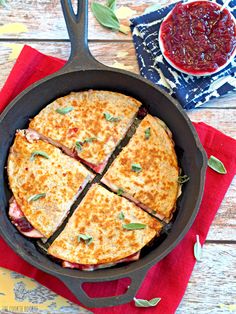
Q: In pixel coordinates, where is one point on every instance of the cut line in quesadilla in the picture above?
(104, 230)
(88, 125)
(45, 183)
(146, 170)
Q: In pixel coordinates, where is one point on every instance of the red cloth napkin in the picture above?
(169, 278)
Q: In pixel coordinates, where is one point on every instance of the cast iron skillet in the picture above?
(83, 72)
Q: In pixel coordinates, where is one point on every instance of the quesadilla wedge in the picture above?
(87, 125)
(146, 170)
(45, 182)
(104, 230)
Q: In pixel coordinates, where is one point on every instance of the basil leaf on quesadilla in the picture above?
(87, 238)
(134, 226)
(109, 117)
(120, 192)
(64, 110)
(78, 146)
(147, 133)
(89, 139)
(36, 197)
(121, 216)
(136, 167)
(38, 153)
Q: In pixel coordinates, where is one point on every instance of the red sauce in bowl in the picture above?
(197, 38)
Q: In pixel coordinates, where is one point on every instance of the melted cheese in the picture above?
(87, 120)
(155, 187)
(98, 216)
(60, 177)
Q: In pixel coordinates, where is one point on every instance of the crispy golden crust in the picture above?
(98, 216)
(60, 177)
(156, 186)
(87, 120)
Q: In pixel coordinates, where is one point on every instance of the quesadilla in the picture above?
(146, 170)
(45, 182)
(87, 125)
(104, 230)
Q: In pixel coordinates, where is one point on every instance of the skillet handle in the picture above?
(77, 27)
(75, 285)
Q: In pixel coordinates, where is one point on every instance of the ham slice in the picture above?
(97, 168)
(19, 220)
(131, 258)
(31, 136)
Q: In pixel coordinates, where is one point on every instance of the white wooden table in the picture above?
(212, 287)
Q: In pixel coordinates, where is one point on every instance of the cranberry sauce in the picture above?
(23, 224)
(197, 37)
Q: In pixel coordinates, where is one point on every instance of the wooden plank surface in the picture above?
(223, 227)
(44, 19)
(212, 289)
(222, 119)
(121, 55)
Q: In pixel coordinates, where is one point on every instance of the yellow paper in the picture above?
(228, 307)
(15, 50)
(121, 54)
(13, 28)
(119, 65)
(124, 13)
(24, 295)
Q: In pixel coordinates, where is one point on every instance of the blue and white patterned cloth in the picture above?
(190, 91)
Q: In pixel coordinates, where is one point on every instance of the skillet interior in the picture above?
(190, 155)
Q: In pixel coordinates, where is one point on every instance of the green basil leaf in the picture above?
(146, 303)
(197, 249)
(38, 153)
(134, 226)
(109, 117)
(105, 16)
(87, 238)
(217, 165)
(36, 197)
(183, 179)
(147, 133)
(64, 110)
(136, 167)
(111, 4)
(78, 146)
(120, 192)
(121, 216)
(89, 139)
